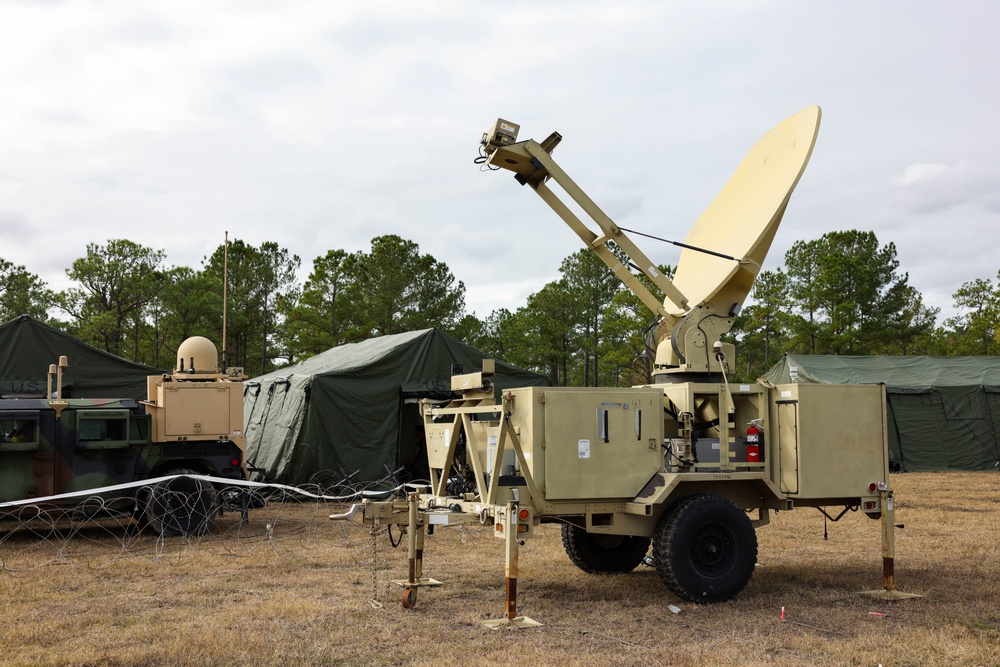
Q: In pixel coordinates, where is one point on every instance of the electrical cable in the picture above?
(683, 245)
(482, 160)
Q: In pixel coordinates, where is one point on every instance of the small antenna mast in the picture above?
(225, 294)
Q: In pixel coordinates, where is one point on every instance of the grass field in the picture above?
(294, 588)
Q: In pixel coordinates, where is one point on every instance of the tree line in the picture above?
(840, 294)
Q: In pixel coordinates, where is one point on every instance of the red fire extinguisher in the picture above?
(754, 437)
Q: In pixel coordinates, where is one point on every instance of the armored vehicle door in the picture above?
(27, 453)
(98, 447)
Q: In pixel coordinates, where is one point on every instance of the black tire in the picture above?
(599, 554)
(705, 549)
(181, 506)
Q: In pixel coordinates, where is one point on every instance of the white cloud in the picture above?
(927, 187)
(918, 172)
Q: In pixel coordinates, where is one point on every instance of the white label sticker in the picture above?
(447, 436)
(492, 440)
(583, 449)
(744, 387)
(715, 445)
(786, 393)
(653, 272)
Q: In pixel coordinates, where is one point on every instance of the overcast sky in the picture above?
(321, 125)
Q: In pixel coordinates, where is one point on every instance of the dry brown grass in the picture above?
(303, 597)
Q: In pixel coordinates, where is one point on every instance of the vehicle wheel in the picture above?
(409, 598)
(599, 554)
(181, 506)
(705, 549)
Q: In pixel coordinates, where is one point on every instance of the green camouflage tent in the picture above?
(27, 347)
(943, 412)
(354, 408)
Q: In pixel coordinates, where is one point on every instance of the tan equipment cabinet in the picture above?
(831, 440)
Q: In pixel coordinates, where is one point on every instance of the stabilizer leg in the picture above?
(510, 573)
(415, 547)
(889, 592)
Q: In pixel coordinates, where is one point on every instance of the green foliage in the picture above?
(632, 333)
(974, 330)
(839, 294)
(763, 327)
(22, 293)
(259, 280)
(188, 304)
(117, 282)
(391, 289)
(403, 290)
(592, 286)
(323, 316)
(583, 329)
(849, 297)
(500, 335)
(471, 330)
(547, 322)
(919, 335)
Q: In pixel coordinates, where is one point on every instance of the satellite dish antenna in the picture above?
(722, 253)
(743, 218)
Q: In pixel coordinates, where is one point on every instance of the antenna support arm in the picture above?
(533, 165)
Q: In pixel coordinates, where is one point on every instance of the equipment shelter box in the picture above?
(847, 442)
(943, 413)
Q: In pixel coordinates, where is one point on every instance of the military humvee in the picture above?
(191, 423)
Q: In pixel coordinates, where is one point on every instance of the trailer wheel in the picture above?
(705, 549)
(181, 506)
(409, 598)
(598, 554)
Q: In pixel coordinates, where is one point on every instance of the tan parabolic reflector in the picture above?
(742, 220)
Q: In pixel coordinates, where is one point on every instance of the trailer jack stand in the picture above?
(510, 573)
(415, 546)
(889, 592)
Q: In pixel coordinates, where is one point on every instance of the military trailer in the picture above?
(689, 465)
(190, 424)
